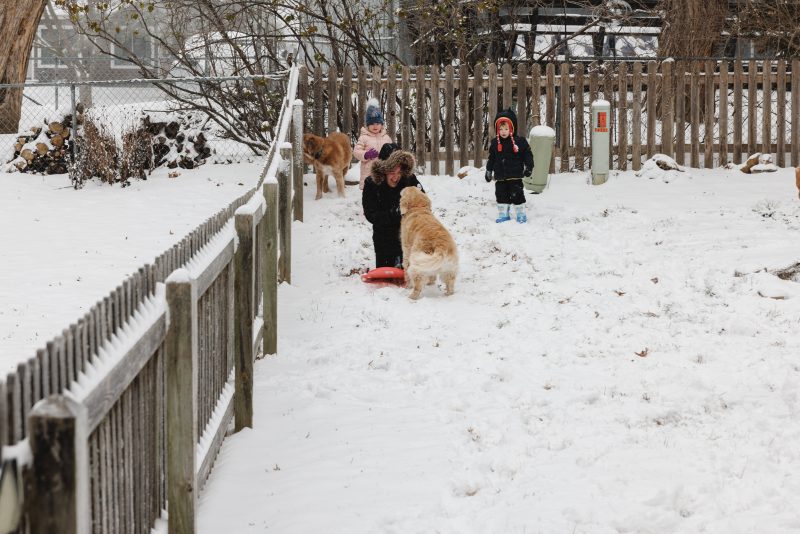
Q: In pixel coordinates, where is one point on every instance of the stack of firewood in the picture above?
(177, 144)
(44, 149)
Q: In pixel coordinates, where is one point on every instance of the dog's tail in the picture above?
(427, 264)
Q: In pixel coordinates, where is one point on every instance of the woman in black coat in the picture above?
(391, 173)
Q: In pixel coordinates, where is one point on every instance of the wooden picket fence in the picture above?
(703, 113)
(127, 409)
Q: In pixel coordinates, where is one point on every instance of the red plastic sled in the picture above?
(384, 274)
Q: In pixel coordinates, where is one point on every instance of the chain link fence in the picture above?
(184, 123)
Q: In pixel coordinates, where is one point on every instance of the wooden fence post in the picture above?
(298, 167)
(243, 345)
(181, 370)
(57, 486)
(269, 266)
(285, 214)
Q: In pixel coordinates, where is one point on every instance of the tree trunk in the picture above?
(692, 28)
(18, 21)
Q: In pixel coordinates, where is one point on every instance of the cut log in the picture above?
(57, 140)
(27, 154)
(56, 127)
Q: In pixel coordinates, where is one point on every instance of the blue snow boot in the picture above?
(502, 213)
(521, 217)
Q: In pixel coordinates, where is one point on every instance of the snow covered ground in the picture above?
(625, 362)
(63, 250)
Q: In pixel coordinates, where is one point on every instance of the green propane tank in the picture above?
(541, 139)
(601, 137)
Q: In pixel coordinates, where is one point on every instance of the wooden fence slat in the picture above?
(435, 110)
(608, 94)
(405, 113)
(579, 118)
(284, 221)
(522, 99)
(269, 269)
(723, 113)
(636, 123)
(421, 122)
(667, 106)
(492, 99)
(695, 113)
(507, 86)
(181, 383)
(550, 105)
(463, 115)
(738, 120)
(44, 371)
(680, 112)
(449, 120)
(36, 378)
(795, 124)
(708, 152)
(58, 496)
(565, 115)
(752, 115)
(25, 384)
(536, 94)
(243, 347)
(297, 155)
(622, 158)
(780, 160)
(302, 93)
(333, 99)
(376, 82)
(14, 396)
(391, 102)
(477, 120)
(319, 120)
(55, 375)
(652, 98)
(362, 96)
(593, 75)
(766, 108)
(347, 104)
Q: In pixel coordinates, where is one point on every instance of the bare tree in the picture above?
(773, 25)
(18, 23)
(692, 28)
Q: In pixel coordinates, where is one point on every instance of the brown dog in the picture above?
(797, 179)
(428, 248)
(330, 156)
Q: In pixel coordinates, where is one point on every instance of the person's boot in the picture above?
(521, 217)
(502, 213)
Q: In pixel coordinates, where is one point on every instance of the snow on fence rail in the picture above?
(127, 409)
(700, 112)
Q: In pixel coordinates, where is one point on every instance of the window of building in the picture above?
(139, 46)
(51, 41)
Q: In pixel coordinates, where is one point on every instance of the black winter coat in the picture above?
(381, 203)
(506, 163)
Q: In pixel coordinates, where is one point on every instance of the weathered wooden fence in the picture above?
(703, 113)
(127, 409)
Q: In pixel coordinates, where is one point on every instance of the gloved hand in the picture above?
(489, 176)
(528, 172)
(370, 154)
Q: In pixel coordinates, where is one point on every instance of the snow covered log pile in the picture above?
(43, 149)
(178, 140)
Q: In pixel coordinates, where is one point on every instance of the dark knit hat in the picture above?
(373, 115)
(387, 149)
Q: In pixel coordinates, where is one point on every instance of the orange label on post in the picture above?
(601, 119)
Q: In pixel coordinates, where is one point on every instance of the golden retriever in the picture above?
(797, 179)
(330, 156)
(428, 248)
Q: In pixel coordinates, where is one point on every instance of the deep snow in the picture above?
(63, 250)
(618, 364)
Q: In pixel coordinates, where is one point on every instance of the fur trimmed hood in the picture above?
(399, 157)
